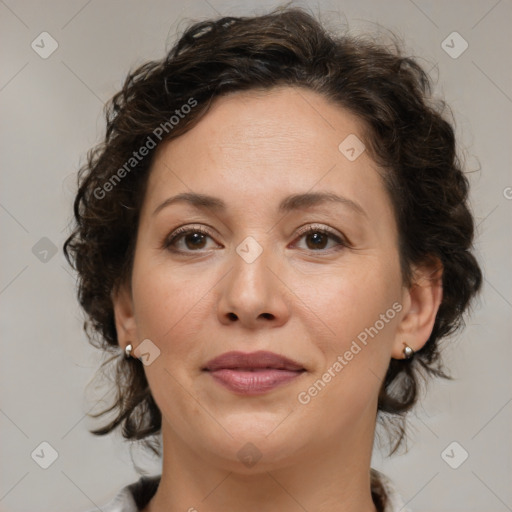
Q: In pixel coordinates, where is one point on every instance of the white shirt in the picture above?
(135, 497)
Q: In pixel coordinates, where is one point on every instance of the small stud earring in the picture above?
(128, 351)
(408, 352)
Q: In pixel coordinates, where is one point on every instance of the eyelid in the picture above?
(183, 230)
(341, 239)
(320, 227)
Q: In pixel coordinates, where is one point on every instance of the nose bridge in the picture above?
(251, 291)
(251, 261)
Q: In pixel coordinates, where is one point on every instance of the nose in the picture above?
(253, 294)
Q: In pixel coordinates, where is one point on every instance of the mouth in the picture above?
(253, 374)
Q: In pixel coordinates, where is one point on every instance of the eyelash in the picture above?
(179, 233)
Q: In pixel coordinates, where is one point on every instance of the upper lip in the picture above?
(256, 360)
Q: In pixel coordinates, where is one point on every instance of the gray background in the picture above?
(51, 115)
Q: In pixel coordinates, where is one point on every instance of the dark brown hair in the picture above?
(406, 134)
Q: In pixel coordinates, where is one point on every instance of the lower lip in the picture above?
(253, 382)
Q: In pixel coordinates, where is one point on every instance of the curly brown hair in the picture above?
(406, 134)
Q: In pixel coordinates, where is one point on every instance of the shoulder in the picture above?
(133, 497)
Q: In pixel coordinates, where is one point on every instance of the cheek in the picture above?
(352, 300)
(355, 356)
(361, 310)
(166, 300)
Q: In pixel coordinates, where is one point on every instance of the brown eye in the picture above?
(187, 240)
(196, 240)
(317, 239)
(190, 239)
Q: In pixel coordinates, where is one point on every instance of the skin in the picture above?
(304, 297)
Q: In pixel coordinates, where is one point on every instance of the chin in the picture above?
(256, 446)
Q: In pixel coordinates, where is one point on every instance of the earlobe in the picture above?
(423, 299)
(124, 315)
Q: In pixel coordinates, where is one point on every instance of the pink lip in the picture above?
(253, 373)
(255, 382)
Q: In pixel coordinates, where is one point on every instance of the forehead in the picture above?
(286, 118)
(264, 145)
(275, 125)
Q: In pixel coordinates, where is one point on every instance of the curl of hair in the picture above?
(405, 133)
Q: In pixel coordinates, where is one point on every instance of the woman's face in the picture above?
(247, 278)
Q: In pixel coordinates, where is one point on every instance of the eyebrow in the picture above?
(290, 203)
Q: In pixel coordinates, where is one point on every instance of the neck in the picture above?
(322, 477)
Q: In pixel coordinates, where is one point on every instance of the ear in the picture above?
(124, 315)
(421, 302)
